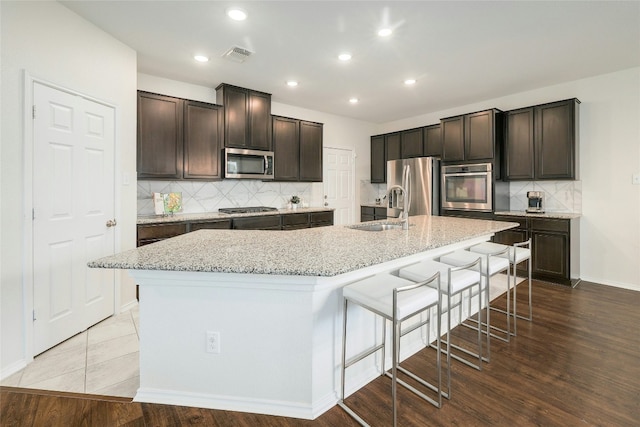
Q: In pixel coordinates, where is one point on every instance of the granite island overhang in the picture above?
(273, 301)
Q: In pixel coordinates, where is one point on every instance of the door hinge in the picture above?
(33, 214)
(33, 111)
(34, 315)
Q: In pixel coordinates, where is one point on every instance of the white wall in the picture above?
(51, 43)
(338, 132)
(609, 153)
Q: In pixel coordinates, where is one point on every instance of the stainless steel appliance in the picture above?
(536, 200)
(422, 184)
(254, 164)
(473, 188)
(250, 209)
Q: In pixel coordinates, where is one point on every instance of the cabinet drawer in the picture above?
(298, 219)
(367, 210)
(271, 222)
(209, 225)
(162, 231)
(321, 218)
(560, 225)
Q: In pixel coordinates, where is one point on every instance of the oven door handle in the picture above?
(467, 174)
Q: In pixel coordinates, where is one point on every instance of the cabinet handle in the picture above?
(112, 223)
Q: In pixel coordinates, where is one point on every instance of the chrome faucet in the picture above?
(405, 190)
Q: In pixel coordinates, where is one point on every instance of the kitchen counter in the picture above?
(272, 302)
(324, 251)
(551, 215)
(158, 219)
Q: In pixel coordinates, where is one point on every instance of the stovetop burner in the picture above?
(251, 209)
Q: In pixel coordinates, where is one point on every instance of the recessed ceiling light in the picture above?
(344, 56)
(292, 83)
(385, 32)
(410, 82)
(201, 58)
(353, 100)
(237, 14)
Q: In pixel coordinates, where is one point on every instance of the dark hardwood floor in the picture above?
(577, 364)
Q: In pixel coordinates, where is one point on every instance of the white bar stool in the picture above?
(397, 300)
(455, 281)
(490, 265)
(517, 253)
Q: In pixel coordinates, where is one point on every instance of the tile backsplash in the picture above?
(200, 197)
(559, 196)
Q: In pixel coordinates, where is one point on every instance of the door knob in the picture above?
(326, 204)
(112, 223)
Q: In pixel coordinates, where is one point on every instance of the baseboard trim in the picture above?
(12, 369)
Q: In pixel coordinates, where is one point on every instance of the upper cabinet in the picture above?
(247, 117)
(378, 160)
(297, 146)
(472, 137)
(411, 144)
(160, 136)
(432, 141)
(393, 146)
(178, 138)
(541, 141)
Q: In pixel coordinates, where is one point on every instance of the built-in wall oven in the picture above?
(468, 187)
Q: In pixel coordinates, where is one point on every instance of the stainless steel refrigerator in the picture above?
(423, 185)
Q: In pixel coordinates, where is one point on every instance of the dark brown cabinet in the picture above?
(160, 136)
(310, 151)
(286, 148)
(392, 146)
(152, 233)
(178, 138)
(541, 141)
(321, 219)
(203, 125)
(247, 117)
(411, 144)
(216, 224)
(295, 221)
(297, 146)
(266, 222)
(372, 213)
(432, 140)
(472, 137)
(554, 246)
(378, 160)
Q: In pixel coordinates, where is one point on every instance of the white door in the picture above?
(73, 198)
(339, 185)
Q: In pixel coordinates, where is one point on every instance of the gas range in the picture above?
(251, 209)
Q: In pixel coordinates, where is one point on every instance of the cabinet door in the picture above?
(310, 151)
(321, 219)
(550, 255)
(286, 148)
(519, 145)
(432, 141)
(218, 224)
(479, 135)
(203, 135)
(411, 143)
(393, 148)
(266, 222)
(452, 139)
(378, 160)
(155, 232)
(555, 140)
(295, 221)
(259, 121)
(236, 114)
(160, 133)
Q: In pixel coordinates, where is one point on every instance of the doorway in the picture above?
(73, 213)
(339, 183)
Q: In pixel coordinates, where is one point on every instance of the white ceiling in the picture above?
(460, 52)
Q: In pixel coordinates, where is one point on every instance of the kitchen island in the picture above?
(251, 320)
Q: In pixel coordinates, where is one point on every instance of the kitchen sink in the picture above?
(379, 226)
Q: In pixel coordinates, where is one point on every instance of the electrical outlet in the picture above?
(635, 179)
(213, 342)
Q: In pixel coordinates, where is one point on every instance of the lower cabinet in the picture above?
(371, 213)
(264, 222)
(152, 233)
(295, 221)
(217, 224)
(555, 247)
(321, 219)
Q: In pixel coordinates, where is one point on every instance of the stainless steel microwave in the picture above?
(468, 187)
(252, 164)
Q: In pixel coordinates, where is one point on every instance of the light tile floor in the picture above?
(101, 360)
(104, 359)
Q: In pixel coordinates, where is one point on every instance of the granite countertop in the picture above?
(552, 215)
(322, 251)
(157, 219)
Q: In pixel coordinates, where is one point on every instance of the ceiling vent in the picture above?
(237, 54)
